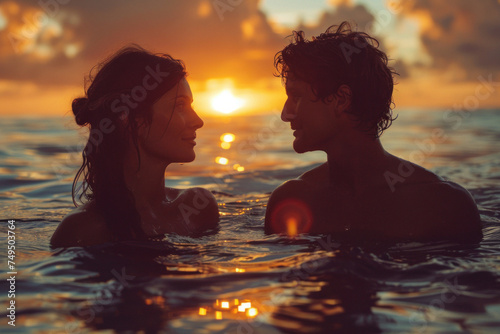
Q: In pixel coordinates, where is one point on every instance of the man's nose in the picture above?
(287, 114)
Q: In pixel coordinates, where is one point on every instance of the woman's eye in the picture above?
(181, 104)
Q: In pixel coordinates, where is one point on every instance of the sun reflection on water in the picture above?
(226, 140)
(229, 309)
(238, 168)
(227, 137)
(221, 160)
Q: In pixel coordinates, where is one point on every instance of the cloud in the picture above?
(461, 35)
(344, 10)
(57, 44)
(215, 38)
(36, 41)
(361, 19)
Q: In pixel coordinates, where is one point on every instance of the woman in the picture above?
(138, 108)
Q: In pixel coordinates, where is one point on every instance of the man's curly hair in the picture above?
(340, 56)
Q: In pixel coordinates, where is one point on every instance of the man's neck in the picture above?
(356, 164)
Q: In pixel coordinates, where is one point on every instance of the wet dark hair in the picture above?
(117, 102)
(342, 56)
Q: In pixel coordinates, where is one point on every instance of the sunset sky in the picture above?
(445, 51)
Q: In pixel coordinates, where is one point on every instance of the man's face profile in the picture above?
(311, 119)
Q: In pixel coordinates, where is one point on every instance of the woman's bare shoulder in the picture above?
(83, 226)
(198, 208)
(197, 195)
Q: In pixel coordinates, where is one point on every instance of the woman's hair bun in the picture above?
(81, 110)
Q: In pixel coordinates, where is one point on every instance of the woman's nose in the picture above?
(197, 121)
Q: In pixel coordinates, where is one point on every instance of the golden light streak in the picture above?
(225, 305)
(218, 315)
(203, 311)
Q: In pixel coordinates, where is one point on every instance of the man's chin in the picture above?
(299, 147)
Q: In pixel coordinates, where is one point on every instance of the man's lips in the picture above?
(296, 128)
(190, 139)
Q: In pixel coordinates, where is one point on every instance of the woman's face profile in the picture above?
(171, 135)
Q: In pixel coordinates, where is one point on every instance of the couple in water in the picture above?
(339, 88)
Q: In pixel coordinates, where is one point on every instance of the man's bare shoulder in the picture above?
(424, 183)
(83, 226)
(292, 192)
(423, 207)
(301, 185)
(441, 210)
(400, 173)
(295, 188)
(317, 175)
(451, 197)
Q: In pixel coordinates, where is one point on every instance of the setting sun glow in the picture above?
(225, 102)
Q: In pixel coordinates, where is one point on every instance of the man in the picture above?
(339, 101)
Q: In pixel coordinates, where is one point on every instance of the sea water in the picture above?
(240, 280)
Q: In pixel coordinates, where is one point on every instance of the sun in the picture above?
(225, 102)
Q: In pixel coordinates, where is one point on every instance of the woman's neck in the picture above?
(147, 181)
